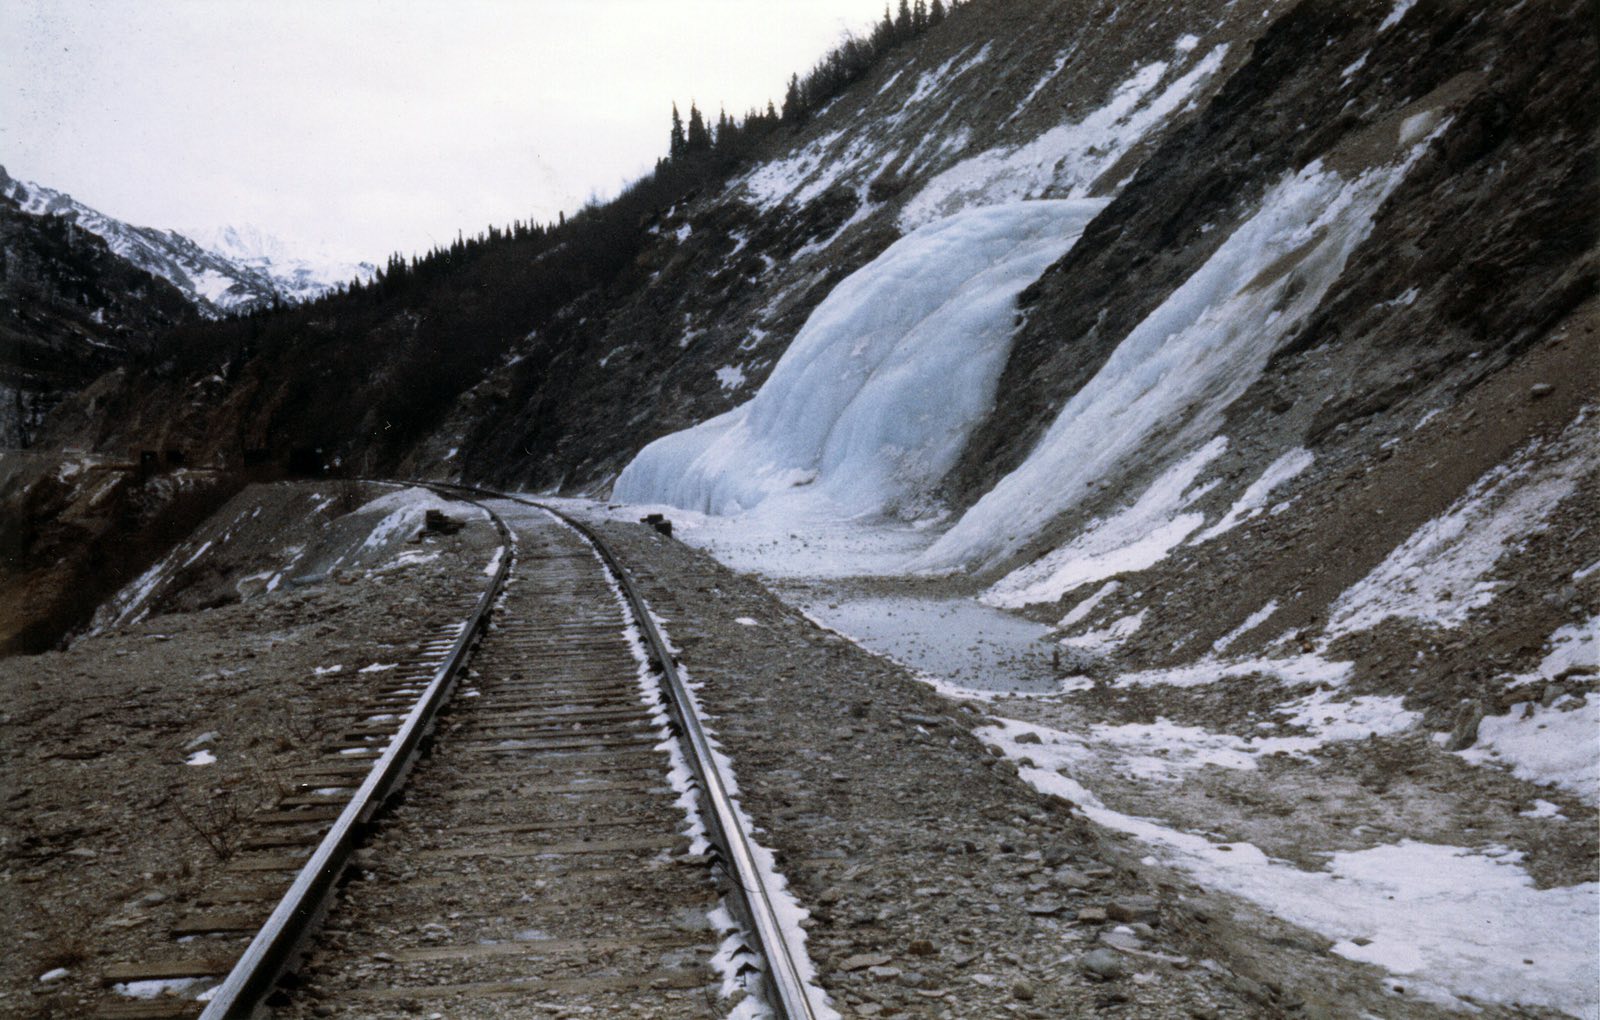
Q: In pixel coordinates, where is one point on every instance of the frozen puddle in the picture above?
(958, 640)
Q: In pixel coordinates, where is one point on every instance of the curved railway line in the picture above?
(566, 843)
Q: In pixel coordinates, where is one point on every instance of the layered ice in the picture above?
(875, 398)
(1186, 362)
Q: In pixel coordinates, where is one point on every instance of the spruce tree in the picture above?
(936, 12)
(675, 148)
(902, 21)
(699, 138)
(919, 15)
(792, 101)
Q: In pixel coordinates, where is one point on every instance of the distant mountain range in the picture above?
(221, 270)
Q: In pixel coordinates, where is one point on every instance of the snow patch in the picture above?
(1049, 76)
(1309, 668)
(404, 511)
(1135, 539)
(1543, 809)
(1066, 160)
(1255, 620)
(1557, 745)
(1255, 497)
(1110, 637)
(1163, 751)
(1080, 611)
(730, 377)
(1459, 923)
(156, 987)
(1396, 14)
(1438, 575)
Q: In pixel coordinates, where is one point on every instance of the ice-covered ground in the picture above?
(1460, 923)
(955, 639)
(801, 543)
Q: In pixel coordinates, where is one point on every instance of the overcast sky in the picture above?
(367, 127)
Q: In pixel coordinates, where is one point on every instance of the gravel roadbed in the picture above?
(938, 883)
(107, 834)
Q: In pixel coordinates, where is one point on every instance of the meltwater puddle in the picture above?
(953, 638)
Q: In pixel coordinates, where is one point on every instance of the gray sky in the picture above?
(366, 127)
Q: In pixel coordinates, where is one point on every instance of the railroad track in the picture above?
(567, 844)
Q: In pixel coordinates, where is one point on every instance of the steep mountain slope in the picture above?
(221, 274)
(1004, 101)
(1294, 451)
(69, 310)
(1248, 349)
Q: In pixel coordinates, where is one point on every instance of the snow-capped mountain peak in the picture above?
(300, 273)
(241, 241)
(222, 271)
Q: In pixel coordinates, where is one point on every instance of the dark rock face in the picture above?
(69, 310)
(1495, 228)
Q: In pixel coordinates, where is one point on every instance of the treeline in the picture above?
(698, 141)
(850, 61)
(697, 151)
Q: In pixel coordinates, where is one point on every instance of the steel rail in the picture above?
(787, 991)
(275, 945)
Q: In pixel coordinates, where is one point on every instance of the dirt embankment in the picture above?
(74, 528)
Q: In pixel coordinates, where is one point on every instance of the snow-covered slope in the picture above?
(229, 271)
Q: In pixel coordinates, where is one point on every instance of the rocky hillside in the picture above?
(70, 309)
(1306, 227)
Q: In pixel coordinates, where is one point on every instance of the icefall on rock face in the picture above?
(221, 271)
